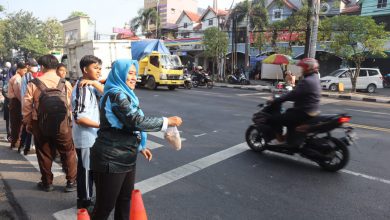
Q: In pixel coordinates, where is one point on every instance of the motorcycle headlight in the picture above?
(181, 77)
(163, 76)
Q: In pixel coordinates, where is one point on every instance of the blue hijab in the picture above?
(116, 83)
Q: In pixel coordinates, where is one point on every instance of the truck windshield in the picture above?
(171, 62)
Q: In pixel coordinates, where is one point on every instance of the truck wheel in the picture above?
(171, 87)
(151, 83)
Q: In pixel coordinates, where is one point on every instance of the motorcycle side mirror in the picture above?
(260, 105)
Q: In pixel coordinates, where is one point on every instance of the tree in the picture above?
(18, 27)
(144, 19)
(52, 34)
(216, 44)
(355, 38)
(2, 8)
(33, 46)
(256, 16)
(74, 14)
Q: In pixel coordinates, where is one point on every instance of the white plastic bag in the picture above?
(172, 135)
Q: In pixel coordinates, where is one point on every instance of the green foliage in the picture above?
(215, 42)
(74, 14)
(22, 31)
(2, 8)
(354, 38)
(52, 34)
(144, 19)
(33, 46)
(255, 12)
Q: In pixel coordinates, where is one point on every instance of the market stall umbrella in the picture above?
(279, 59)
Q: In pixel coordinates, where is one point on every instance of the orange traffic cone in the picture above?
(82, 214)
(137, 209)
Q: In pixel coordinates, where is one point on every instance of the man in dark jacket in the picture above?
(306, 98)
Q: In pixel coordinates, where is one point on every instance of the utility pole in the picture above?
(247, 45)
(157, 18)
(312, 28)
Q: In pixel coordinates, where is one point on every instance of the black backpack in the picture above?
(53, 110)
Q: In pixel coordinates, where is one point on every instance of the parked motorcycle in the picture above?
(202, 80)
(238, 78)
(330, 153)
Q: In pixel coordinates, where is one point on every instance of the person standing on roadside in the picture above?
(120, 137)
(85, 105)
(15, 102)
(47, 114)
(26, 138)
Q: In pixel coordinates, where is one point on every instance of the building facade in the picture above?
(170, 10)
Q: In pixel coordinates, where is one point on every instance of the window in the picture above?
(363, 73)
(210, 22)
(372, 72)
(154, 61)
(382, 4)
(345, 75)
(277, 14)
(185, 25)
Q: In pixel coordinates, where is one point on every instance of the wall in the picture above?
(205, 22)
(76, 30)
(369, 8)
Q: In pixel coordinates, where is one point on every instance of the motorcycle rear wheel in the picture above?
(340, 157)
(255, 139)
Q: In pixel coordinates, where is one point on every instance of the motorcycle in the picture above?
(239, 78)
(202, 80)
(187, 81)
(330, 153)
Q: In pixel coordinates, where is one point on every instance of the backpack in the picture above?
(53, 113)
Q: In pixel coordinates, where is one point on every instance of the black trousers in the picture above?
(113, 190)
(25, 139)
(291, 119)
(84, 177)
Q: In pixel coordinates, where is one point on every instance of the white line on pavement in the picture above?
(160, 135)
(153, 145)
(188, 169)
(200, 135)
(255, 94)
(365, 176)
(55, 169)
(357, 110)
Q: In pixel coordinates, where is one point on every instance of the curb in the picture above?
(335, 96)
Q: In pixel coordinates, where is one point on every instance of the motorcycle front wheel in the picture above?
(188, 85)
(195, 84)
(339, 157)
(255, 139)
(210, 84)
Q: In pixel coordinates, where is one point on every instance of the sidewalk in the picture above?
(263, 87)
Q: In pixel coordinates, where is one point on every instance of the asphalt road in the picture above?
(216, 176)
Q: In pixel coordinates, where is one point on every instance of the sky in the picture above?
(106, 13)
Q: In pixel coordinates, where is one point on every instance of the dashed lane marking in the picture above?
(387, 130)
(364, 111)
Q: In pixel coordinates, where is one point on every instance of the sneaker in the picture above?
(45, 187)
(20, 148)
(275, 142)
(25, 152)
(71, 187)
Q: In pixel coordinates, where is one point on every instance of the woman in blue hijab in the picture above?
(121, 136)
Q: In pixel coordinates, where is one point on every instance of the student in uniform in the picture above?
(85, 104)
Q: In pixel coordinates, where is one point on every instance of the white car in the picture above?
(369, 79)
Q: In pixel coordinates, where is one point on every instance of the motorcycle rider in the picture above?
(199, 74)
(306, 98)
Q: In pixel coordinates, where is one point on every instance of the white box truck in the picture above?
(107, 50)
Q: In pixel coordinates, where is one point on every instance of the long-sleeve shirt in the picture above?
(14, 87)
(115, 150)
(306, 95)
(31, 98)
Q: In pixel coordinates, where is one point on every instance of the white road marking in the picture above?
(254, 94)
(188, 169)
(160, 135)
(200, 135)
(357, 110)
(55, 169)
(171, 176)
(365, 176)
(153, 145)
